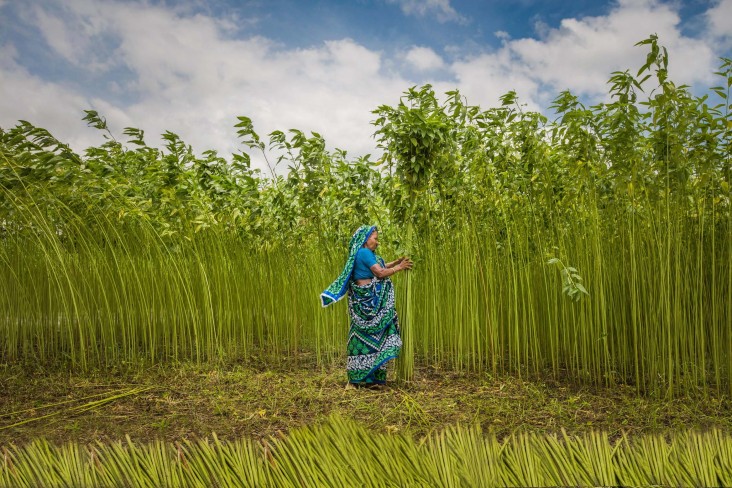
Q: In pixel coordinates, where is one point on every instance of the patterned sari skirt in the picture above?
(373, 338)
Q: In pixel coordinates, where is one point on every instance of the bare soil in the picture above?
(256, 400)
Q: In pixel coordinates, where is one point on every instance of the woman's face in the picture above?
(373, 241)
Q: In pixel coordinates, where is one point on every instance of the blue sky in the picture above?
(192, 66)
(378, 24)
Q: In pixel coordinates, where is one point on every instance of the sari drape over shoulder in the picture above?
(339, 287)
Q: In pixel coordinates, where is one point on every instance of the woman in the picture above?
(373, 339)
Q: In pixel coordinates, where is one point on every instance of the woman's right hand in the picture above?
(405, 264)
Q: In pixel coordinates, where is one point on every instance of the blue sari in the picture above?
(373, 337)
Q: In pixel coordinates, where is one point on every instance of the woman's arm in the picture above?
(394, 263)
(391, 268)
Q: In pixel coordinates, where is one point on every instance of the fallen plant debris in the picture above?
(256, 400)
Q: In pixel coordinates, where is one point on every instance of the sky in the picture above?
(193, 66)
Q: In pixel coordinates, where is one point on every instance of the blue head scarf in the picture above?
(338, 288)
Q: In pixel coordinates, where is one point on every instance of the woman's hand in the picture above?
(394, 267)
(396, 263)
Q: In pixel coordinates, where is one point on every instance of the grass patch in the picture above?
(256, 400)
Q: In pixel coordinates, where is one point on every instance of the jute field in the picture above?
(566, 322)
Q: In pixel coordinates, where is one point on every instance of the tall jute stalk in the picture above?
(405, 368)
(418, 143)
(480, 301)
(126, 256)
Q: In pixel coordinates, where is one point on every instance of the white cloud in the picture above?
(44, 104)
(189, 78)
(581, 54)
(58, 35)
(424, 59)
(541, 28)
(78, 39)
(441, 9)
(483, 79)
(719, 19)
